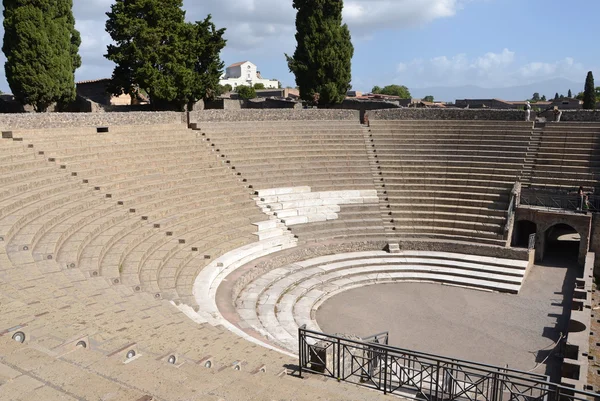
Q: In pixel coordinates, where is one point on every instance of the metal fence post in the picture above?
(385, 363)
(300, 351)
(437, 380)
(339, 346)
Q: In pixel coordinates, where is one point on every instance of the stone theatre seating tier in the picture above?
(94, 232)
(449, 180)
(104, 237)
(149, 204)
(323, 155)
(568, 156)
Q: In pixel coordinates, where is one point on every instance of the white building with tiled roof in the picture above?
(246, 73)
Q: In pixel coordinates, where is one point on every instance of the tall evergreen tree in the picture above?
(589, 93)
(322, 61)
(556, 96)
(175, 62)
(41, 46)
(570, 94)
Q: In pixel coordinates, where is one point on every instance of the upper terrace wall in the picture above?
(273, 115)
(60, 120)
(575, 115)
(478, 114)
(447, 114)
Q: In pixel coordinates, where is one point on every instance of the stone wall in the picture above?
(274, 115)
(595, 241)
(61, 120)
(545, 219)
(447, 114)
(573, 115)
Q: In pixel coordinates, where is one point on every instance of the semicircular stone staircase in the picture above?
(278, 302)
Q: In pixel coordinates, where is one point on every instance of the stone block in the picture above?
(292, 221)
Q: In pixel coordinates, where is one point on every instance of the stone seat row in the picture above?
(50, 325)
(449, 141)
(460, 134)
(453, 123)
(56, 218)
(78, 199)
(465, 169)
(278, 302)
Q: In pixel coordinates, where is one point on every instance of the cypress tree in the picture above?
(589, 93)
(570, 94)
(41, 46)
(323, 58)
(175, 62)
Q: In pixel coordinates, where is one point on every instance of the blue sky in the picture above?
(417, 43)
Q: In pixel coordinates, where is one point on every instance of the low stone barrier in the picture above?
(576, 346)
(273, 115)
(66, 120)
(447, 114)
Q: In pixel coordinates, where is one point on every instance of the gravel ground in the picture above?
(500, 329)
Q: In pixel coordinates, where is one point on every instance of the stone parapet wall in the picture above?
(447, 114)
(464, 248)
(274, 115)
(574, 116)
(65, 120)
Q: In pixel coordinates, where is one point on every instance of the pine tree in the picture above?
(570, 94)
(589, 93)
(322, 61)
(175, 62)
(41, 46)
(556, 96)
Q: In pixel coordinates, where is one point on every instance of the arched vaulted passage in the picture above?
(523, 229)
(562, 243)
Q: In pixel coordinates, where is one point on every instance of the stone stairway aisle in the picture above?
(270, 229)
(379, 183)
(532, 154)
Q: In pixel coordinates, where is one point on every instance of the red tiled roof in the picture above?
(237, 64)
(92, 81)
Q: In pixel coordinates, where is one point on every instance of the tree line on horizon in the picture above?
(590, 95)
(158, 54)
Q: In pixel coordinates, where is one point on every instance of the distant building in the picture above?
(246, 73)
(567, 103)
(562, 103)
(484, 104)
(97, 91)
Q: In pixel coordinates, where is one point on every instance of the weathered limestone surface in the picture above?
(273, 115)
(60, 120)
(448, 114)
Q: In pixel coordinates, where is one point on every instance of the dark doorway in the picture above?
(523, 229)
(562, 244)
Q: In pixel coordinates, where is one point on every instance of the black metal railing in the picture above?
(571, 202)
(421, 375)
(379, 338)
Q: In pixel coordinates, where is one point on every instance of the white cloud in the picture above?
(372, 14)
(490, 70)
(257, 28)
